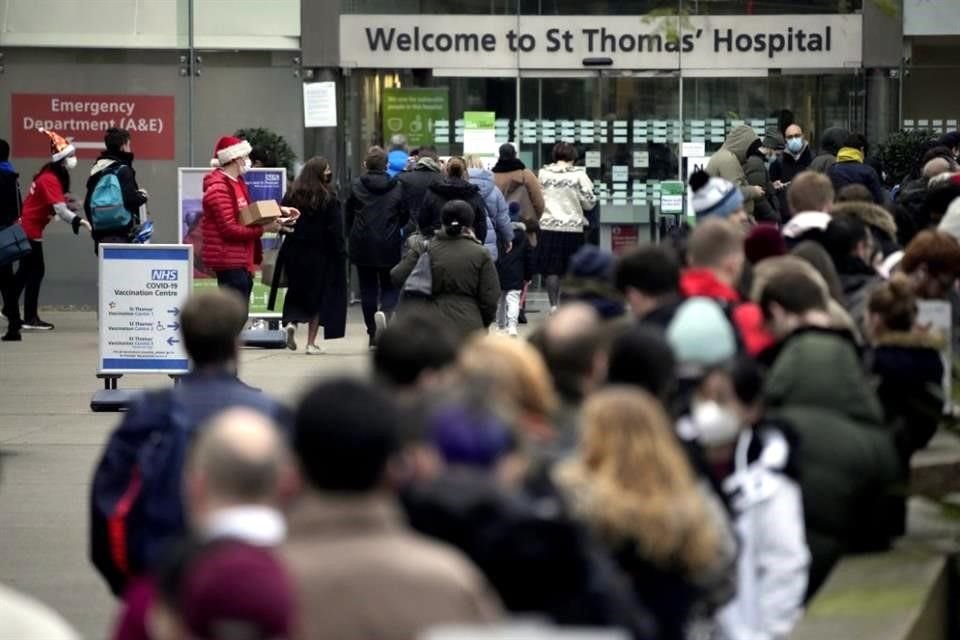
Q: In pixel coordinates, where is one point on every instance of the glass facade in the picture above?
(600, 7)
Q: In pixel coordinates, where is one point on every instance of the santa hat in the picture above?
(228, 149)
(59, 147)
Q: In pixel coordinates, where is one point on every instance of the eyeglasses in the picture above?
(798, 135)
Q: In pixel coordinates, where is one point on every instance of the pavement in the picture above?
(50, 442)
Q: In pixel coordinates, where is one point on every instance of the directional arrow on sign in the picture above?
(175, 311)
(172, 341)
(175, 326)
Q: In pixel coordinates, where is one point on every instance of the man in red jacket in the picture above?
(716, 255)
(230, 249)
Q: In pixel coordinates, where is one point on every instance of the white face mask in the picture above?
(245, 166)
(71, 162)
(716, 425)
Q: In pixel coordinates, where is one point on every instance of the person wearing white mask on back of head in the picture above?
(49, 197)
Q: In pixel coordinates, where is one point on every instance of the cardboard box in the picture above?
(259, 213)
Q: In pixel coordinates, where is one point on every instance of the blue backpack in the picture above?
(136, 505)
(107, 212)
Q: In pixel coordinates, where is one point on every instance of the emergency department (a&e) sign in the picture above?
(85, 118)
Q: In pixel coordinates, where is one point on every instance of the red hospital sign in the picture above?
(84, 120)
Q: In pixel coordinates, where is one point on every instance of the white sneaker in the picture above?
(553, 310)
(291, 330)
(380, 320)
(314, 350)
(512, 332)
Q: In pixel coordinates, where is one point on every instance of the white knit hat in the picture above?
(714, 196)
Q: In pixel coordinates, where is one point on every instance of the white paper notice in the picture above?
(621, 173)
(592, 159)
(641, 159)
(320, 104)
(693, 149)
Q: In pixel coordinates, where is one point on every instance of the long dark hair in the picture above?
(312, 189)
(59, 170)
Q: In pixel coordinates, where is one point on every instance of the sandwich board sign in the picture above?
(143, 287)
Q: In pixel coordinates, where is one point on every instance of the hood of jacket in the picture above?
(833, 138)
(397, 161)
(849, 154)
(377, 182)
(508, 166)
(455, 188)
(427, 164)
(6, 167)
(483, 179)
(821, 368)
(702, 283)
(915, 339)
(563, 167)
(910, 355)
(739, 141)
(107, 158)
(869, 214)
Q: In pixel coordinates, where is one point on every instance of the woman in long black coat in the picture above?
(314, 259)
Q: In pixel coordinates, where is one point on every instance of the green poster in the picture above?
(479, 119)
(671, 196)
(413, 112)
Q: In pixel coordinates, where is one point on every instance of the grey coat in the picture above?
(728, 162)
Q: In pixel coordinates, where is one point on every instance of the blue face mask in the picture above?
(795, 145)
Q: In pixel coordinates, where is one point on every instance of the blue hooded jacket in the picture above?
(499, 226)
(397, 162)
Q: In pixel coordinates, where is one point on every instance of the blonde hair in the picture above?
(517, 370)
(631, 481)
(474, 162)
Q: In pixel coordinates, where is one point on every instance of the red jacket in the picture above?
(37, 211)
(747, 316)
(227, 244)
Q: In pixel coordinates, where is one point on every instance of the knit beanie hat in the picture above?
(59, 147)
(764, 241)
(235, 585)
(773, 139)
(592, 262)
(950, 223)
(714, 196)
(701, 336)
(228, 149)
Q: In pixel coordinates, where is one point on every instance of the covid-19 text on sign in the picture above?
(85, 119)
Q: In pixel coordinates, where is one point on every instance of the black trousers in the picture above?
(239, 280)
(10, 287)
(376, 293)
(30, 277)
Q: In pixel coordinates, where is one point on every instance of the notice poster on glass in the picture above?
(479, 133)
(592, 159)
(415, 114)
(263, 184)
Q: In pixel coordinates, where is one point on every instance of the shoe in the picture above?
(291, 330)
(522, 318)
(512, 332)
(12, 336)
(314, 350)
(37, 325)
(373, 343)
(380, 320)
(553, 310)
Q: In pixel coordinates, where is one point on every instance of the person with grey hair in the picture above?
(235, 477)
(398, 155)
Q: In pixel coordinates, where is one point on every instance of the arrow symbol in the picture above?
(172, 341)
(175, 326)
(175, 312)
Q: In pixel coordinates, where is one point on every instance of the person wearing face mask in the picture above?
(116, 160)
(49, 197)
(794, 160)
(230, 249)
(314, 257)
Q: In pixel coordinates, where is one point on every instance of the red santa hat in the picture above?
(59, 147)
(228, 149)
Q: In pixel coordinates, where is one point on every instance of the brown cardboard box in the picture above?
(259, 213)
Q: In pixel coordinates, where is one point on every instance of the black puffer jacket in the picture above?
(416, 184)
(375, 215)
(443, 192)
(133, 198)
(10, 200)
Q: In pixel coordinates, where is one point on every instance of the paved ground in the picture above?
(49, 442)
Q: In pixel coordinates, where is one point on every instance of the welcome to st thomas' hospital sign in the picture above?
(623, 42)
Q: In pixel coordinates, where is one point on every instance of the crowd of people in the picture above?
(694, 437)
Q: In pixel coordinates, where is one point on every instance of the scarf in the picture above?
(849, 154)
(506, 166)
(6, 166)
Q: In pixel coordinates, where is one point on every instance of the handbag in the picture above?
(14, 244)
(420, 281)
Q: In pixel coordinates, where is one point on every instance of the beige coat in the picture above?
(510, 180)
(363, 575)
(728, 162)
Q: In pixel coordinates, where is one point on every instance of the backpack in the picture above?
(107, 212)
(136, 507)
(521, 195)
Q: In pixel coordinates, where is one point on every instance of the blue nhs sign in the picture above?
(161, 275)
